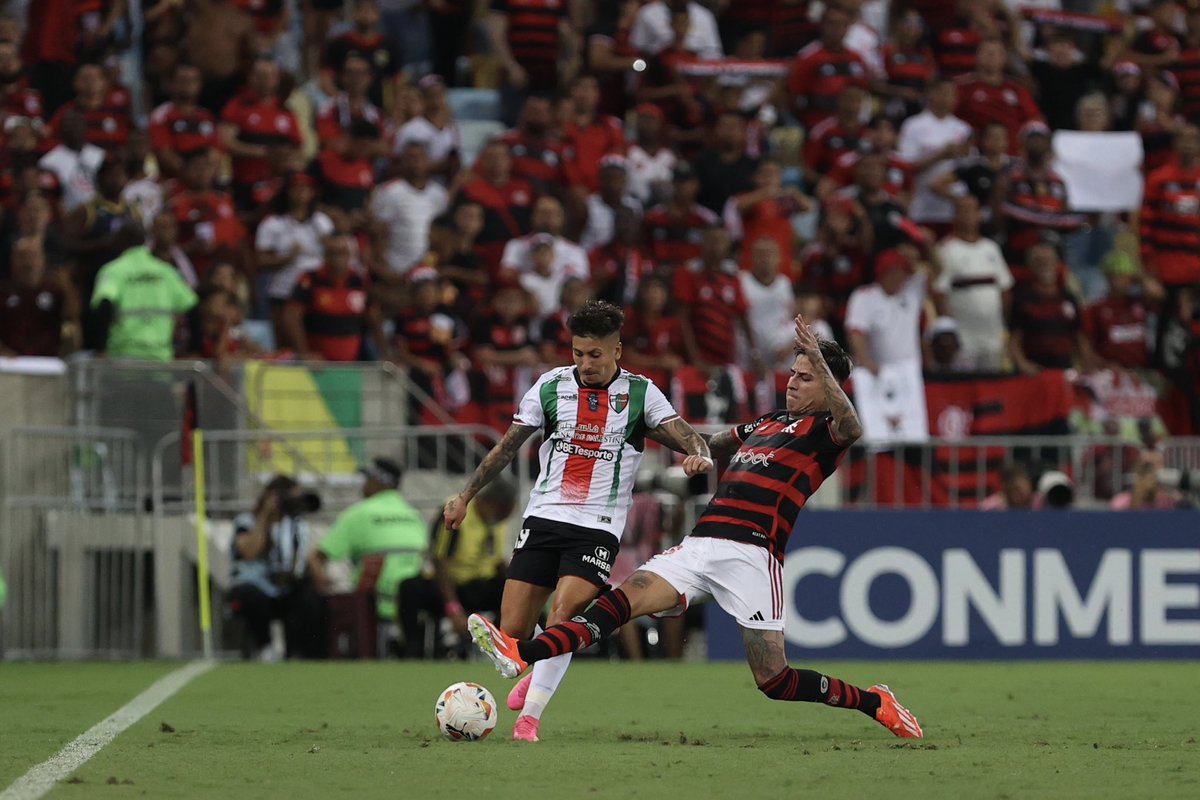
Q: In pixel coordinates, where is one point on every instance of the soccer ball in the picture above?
(465, 712)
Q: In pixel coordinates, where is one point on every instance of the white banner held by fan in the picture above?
(1103, 171)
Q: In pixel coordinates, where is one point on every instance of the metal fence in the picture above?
(97, 535)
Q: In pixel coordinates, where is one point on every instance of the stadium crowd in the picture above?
(886, 168)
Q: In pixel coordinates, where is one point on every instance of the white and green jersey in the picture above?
(592, 443)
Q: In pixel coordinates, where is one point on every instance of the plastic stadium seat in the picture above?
(474, 104)
(474, 134)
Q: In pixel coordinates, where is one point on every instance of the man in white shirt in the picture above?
(547, 218)
(74, 162)
(402, 209)
(772, 306)
(974, 286)
(883, 318)
(650, 160)
(652, 30)
(930, 141)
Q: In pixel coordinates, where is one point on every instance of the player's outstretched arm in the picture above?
(722, 444)
(846, 425)
(681, 437)
(492, 465)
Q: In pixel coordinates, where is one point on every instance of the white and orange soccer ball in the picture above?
(466, 712)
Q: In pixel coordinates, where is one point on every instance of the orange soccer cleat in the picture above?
(496, 645)
(895, 717)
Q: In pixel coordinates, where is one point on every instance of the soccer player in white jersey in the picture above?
(736, 550)
(594, 418)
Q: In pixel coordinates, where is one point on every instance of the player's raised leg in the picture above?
(643, 593)
(778, 681)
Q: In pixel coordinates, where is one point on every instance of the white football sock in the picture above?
(546, 677)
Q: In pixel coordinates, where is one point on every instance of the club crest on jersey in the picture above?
(593, 402)
(618, 402)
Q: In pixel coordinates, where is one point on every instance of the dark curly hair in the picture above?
(838, 359)
(597, 319)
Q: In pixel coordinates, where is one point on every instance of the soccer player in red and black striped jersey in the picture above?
(181, 125)
(735, 553)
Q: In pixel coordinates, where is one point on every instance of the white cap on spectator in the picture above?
(942, 325)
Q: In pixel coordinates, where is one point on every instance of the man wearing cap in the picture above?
(676, 227)
(382, 534)
(1036, 199)
(547, 220)
(974, 287)
(883, 318)
(944, 347)
(1116, 324)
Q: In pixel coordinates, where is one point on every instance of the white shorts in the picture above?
(745, 580)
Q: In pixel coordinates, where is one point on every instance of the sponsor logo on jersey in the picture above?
(753, 459)
(572, 449)
(593, 401)
(618, 402)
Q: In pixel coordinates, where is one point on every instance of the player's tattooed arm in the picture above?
(681, 437)
(846, 425)
(764, 653)
(492, 465)
(721, 445)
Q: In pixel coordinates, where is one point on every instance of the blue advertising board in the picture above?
(978, 585)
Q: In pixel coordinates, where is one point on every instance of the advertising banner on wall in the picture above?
(979, 585)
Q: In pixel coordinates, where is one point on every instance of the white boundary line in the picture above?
(45, 776)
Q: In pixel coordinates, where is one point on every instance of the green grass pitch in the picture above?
(659, 730)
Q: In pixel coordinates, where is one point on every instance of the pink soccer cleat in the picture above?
(516, 698)
(526, 729)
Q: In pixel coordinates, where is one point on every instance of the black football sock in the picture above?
(808, 686)
(609, 612)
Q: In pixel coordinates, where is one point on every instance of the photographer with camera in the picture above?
(268, 579)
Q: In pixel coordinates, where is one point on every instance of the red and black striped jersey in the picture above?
(897, 180)
(345, 183)
(911, 69)
(20, 100)
(713, 302)
(1035, 200)
(334, 311)
(781, 462)
(1170, 224)
(828, 141)
(182, 130)
(533, 37)
(1186, 70)
(955, 48)
(817, 77)
(539, 161)
(506, 212)
(673, 239)
(375, 48)
(1048, 326)
(107, 127)
(262, 121)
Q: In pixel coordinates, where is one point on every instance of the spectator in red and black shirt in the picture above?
(986, 95)
(537, 155)
(836, 263)
(1116, 325)
(823, 69)
(610, 56)
(880, 138)
(253, 124)
(36, 306)
(17, 98)
(1158, 46)
(428, 338)
(527, 36)
(506, 200)
(347, 177)
(909, 65)
(337, 115)
(619, 266)
(589, 136)
(181, 125)
(675, 228)
(107, 127)
(1170, 217)
(1036, 198)
(1186, 67)
(1046, 330)
(835, 136)
(331, 310)
(713, 304)
(554, 343)
(209, 229)
(651, 337)
(365, 41)
(502, 343)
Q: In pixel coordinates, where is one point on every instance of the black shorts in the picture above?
(547, 550)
